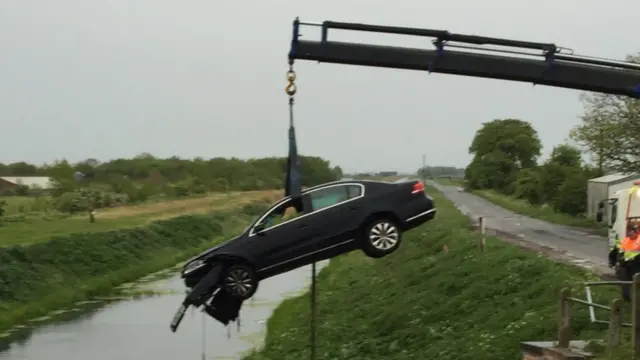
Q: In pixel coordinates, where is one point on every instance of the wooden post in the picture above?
(615, 324)
(564, 319)
(635, 303)
(482, 243)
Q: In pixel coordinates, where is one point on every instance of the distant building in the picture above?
(604, 188)
(33, 182)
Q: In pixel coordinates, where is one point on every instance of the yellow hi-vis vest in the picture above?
(615, 244)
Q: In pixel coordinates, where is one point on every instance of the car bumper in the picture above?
(420, 218)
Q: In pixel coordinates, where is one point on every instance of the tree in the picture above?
(571, 197)
(610, 130)
(440, 171)
(564, 160)
(495, 170)
(529, 186)
(501, 148)
(515, 138)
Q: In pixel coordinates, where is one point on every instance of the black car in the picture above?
(336, 218)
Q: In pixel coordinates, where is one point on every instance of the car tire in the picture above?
(381, 237)
(239, 281)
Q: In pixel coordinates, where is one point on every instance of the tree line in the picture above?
(440, 172)
(506, 154)
(92, 184)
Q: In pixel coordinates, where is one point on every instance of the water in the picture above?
(139, 329)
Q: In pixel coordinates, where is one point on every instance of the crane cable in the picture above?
(291, 90)
(204, 337)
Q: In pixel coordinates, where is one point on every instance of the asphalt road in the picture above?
(580, 247)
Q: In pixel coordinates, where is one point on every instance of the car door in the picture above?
(335, 211)
(281, 242)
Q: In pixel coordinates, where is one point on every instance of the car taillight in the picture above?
(418, 187)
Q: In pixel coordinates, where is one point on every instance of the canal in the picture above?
(132, 328)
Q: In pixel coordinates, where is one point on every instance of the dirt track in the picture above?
(559, 242)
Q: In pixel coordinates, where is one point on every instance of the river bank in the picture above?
(139, 328)
(436, 297)
(43, 277)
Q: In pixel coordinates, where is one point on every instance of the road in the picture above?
(567, 243)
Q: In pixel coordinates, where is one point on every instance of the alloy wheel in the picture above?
(238, 282)
(384, 236)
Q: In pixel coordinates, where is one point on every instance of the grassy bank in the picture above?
(38, 278)
(540, 212)
(427, 303)
(39, 227)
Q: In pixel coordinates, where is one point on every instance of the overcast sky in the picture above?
(114, 78)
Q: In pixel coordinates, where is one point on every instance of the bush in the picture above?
(22, 190)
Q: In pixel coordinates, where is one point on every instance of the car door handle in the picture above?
(354, 208)
(302, 225)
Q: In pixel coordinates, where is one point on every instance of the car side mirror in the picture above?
(259, 228)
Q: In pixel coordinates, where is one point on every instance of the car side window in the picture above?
(354, 191)
(333, 195)
(280, 214)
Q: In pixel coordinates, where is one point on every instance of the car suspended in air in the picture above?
(335, 218)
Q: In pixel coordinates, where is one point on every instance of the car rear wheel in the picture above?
(381, 238)
(240, 281)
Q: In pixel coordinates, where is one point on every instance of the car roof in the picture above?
(338, 182)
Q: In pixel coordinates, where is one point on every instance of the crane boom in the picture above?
(525, 61)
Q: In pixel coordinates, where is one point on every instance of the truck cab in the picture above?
(624, 208)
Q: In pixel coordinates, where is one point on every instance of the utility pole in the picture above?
(424, 168)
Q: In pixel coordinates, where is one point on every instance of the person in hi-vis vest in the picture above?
(614, 251)
(629, 261)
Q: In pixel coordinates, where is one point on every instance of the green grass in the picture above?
(449, 182)
(426, 303)
(31, 229)
(26, 204)
(541, 212)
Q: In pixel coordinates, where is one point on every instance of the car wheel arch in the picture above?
(228, 259)
(381, 215)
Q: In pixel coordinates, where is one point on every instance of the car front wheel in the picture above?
(381, 238)
(240, 281)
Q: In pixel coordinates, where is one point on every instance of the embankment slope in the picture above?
(37, 278)
(424, 302)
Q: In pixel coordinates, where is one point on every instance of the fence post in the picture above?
(564, 319)
(482, 243)
(615, 324)
(635, 320)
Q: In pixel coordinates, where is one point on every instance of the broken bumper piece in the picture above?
(222, 306)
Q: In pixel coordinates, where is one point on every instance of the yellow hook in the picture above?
(291, 76)
(291, 89)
